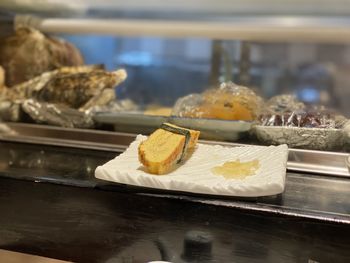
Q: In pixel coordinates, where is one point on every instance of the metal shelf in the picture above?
(299, 160)
(266, 29)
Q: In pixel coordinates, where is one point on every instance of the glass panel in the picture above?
(163, 69)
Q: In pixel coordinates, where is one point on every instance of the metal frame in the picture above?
(280, 28)
(299, 160)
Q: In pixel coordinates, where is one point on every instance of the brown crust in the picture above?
(163, 166)
(170, 161)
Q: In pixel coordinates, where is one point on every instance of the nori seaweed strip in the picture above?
(180, 131)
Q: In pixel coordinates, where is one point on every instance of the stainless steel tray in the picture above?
(299, 137)
(57, 136)
(137, 122)
(319, 162)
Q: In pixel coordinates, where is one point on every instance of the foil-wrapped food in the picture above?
(286, 120)
(226, 102)
(304, 119)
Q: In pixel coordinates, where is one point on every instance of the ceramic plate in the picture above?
(195, 176)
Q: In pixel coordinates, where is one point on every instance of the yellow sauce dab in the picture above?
(237, 169)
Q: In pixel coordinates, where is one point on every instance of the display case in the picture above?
(293, 61)
(245, 74)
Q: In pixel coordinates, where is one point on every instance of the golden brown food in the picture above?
(165, 147)
(155, 110)
(228, 102)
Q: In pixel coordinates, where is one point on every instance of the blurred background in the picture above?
(297, 47)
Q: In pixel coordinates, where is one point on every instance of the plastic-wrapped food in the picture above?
(283, 103)
(227, 102)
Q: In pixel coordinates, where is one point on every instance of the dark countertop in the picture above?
(309, 196)
(91, 224)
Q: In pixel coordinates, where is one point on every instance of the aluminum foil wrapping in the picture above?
(301, 129)
(286, 120)
(58, 115)
(304, 119)
(298, 137)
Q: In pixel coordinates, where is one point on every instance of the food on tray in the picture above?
(313, 128)
(156, 110)
(165, 147)
(288, 111)
(30, 53)
(305, 119)
(45, 98)
(228, 102)
(237, 169)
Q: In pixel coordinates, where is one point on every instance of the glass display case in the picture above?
(292, 59)
(79, 81)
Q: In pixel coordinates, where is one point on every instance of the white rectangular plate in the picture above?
(195, 176)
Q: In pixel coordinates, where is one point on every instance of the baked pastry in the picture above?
(166, 147)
